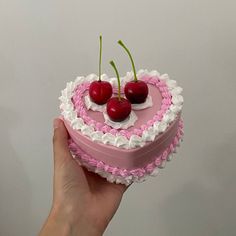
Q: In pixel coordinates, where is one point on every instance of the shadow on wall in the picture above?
(14, 185)
(207, 206)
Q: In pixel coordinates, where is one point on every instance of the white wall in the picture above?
(44, 44)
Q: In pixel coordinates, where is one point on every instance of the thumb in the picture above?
(60, 142)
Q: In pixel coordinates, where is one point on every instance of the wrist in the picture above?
(79, 226)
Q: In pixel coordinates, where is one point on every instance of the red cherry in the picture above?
(136, 91)
(118, 109)
(100, 92)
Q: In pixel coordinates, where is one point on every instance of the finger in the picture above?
(60, 142)
(63, 157)
(123, 187)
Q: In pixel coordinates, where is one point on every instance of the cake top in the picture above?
(151, 122)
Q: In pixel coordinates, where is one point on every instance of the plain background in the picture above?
(44, 44)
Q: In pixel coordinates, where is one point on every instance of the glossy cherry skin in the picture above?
(118, 110)
(136, 91)
(100, 92)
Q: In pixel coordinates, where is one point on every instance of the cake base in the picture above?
(117, 175)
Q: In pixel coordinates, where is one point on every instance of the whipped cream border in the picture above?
(118, 140)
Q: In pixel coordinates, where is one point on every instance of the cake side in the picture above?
(122, 175)
(126, 158)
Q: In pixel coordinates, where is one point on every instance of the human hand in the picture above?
(83, 202)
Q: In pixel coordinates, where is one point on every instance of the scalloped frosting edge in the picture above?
(123, 176)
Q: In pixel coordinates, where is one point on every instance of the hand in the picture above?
(83, 202)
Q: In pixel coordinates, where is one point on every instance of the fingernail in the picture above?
(56, 123)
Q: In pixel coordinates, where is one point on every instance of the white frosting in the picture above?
(121, 141)
(97, 136)
(77, 123)
(125, 124)
(87, 130)
(90, 105)
(142, 72)
(149, 134)
(69, 114)
(108, 138)
(146, 104)
(136, 141)
(177, 99)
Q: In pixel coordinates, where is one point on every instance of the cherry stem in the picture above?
(127, 50)
(100, 58)
(118, 78)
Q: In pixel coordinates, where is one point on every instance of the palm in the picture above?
(102, 197)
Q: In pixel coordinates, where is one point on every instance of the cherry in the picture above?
(118, 108)
(136, 91)
(100, 91)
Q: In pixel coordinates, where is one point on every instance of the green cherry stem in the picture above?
(127, 50)
(118, 78)
(100, 58)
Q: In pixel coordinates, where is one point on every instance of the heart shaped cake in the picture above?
(123, 129)
(130, 150)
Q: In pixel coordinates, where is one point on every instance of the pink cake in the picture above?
(124, 153)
